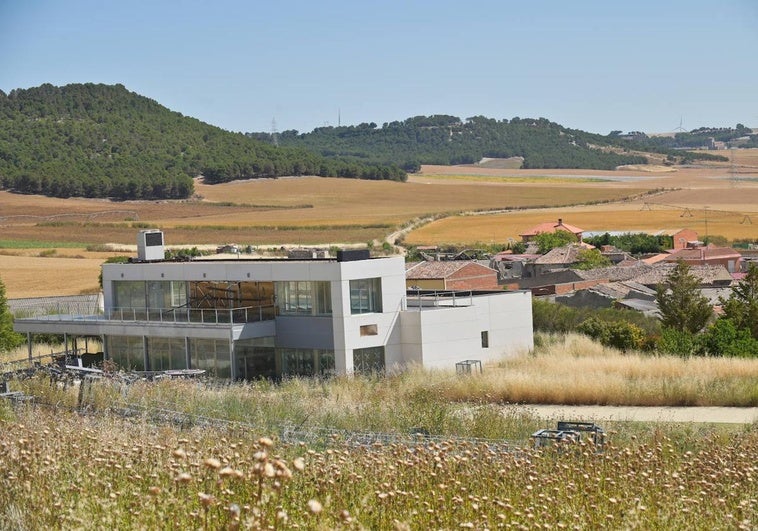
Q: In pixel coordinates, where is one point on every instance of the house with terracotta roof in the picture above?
(709, 255)
(450, 275)
(551, 227)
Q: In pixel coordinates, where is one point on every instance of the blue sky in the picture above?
(592, 65)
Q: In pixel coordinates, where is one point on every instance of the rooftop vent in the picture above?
(150, 245)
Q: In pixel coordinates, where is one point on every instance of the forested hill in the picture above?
(443, 139)
(96, 140)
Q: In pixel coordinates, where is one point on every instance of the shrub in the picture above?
(617, 334)
(723, 338)
(677, 342)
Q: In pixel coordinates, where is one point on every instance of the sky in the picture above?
(250, 65)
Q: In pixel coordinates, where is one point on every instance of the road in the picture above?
(730, 415)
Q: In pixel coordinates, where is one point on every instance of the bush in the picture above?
(617, 334)
(678, 342)
(723, 338)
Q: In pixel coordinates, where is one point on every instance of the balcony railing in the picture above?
(247, 314)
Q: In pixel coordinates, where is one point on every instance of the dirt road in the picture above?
(731, 415)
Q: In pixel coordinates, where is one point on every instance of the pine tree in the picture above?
(742, 305)
(681, 305)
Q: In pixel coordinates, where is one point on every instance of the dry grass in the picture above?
(64, 470)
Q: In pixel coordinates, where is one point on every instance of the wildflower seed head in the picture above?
(212, 462)
(314, 506)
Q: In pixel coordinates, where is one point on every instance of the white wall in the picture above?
(441, 337)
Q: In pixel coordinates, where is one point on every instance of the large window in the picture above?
(166, 294)
(366, 360)
(366, 295)
(166, 353)
(306, 362)
(304, 297)
(127, 352)
(154, 296)
(211, 355)
(129, 294)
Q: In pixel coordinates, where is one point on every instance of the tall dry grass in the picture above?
(573, 369)
(61, 470)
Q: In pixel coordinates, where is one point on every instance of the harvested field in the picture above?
(29, 276)
(325, 211)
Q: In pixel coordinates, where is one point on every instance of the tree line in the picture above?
(94, 140)
(445, 139)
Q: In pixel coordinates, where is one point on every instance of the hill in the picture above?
(96, 140)
(444, 140)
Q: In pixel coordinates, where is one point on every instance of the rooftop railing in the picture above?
(419, 298)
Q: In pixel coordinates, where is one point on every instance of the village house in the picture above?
(450, 275)
(708, 255)
(550, 227)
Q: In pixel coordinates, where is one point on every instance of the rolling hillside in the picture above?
(104, 141)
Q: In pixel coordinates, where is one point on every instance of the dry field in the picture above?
(321, 211)
(717, 199)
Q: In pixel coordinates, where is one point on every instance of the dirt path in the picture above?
(730, 415)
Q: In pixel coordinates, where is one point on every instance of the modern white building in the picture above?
(253, 318)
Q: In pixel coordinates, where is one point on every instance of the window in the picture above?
(126, 351)
(306, 362)
(166, 353)
(129, 294)
(304, 298)
(369, 330)
(366, 360)
(366, 295)
(211, 355)
(485, 339)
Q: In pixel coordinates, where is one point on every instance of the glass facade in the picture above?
(166, 354)
(366, 295)
(299, 297)
(211, 355)
(129, 294)
(256, 358)
(306, 362)
(166, 294)
(126, 351)
(366, 360)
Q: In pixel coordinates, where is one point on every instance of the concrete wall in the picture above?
(441, 337)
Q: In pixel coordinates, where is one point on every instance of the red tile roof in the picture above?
(552, 227)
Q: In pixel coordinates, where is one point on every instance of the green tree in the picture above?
(547, 241)
(742, 305)
(677, 342)
(680, 303)
(8, 338)
(591, 259)
(724, 338)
